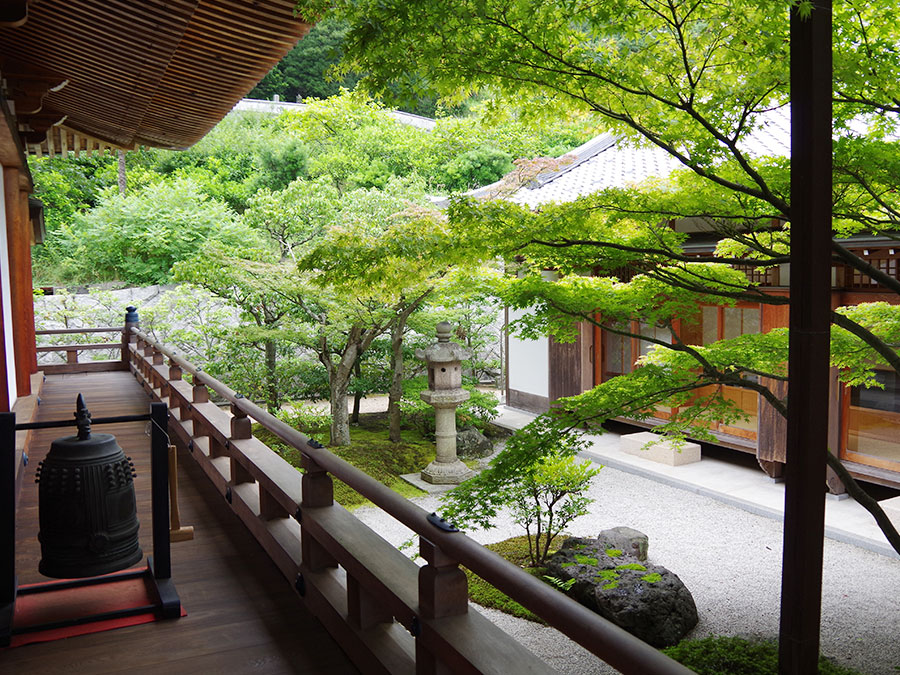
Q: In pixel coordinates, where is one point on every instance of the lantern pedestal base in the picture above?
(446, 473)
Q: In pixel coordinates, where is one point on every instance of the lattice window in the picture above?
(884, 260)
(763, 276)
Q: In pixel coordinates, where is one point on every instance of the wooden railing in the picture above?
(388, 614)
(72, 364)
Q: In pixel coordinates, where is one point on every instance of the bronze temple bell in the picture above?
(87, 507)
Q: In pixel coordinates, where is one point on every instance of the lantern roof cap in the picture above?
(444, 351)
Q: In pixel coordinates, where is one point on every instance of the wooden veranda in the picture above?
(239, 617)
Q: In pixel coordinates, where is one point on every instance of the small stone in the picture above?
(472, 444)
(626, 539)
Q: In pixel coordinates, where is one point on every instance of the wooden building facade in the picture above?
(863, 422)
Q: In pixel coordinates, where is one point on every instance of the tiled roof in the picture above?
(607, 161)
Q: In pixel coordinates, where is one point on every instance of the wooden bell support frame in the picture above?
(157, 574)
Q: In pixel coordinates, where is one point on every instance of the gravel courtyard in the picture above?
(730, 560)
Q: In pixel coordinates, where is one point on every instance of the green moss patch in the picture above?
(632, 566)
(515, 550)
(371, 452)
(652, 578)
(717, 655)
(614, 552)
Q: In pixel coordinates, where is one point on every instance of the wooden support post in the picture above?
(200, 394)
(443, 589)
(269, 507)
(808, 357)
(363, 609)
(71, 356)
(241, 427)
(216, 448)
(443, 592)
(177, 531)
(18, 237)
(239, 474)
(318, 491)
(175, 375)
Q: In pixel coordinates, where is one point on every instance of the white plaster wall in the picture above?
(529, 363)
(7, 300)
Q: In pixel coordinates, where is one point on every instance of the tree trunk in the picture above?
(122, 182)
(395, 392)
(272, 402)
(357, 396)
(340, 420)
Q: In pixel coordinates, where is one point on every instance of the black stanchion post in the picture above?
(159, 489)
(8, 581)
(161, 564)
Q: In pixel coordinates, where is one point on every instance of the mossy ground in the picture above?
(719, 655)
(515, 550)
(370, 451)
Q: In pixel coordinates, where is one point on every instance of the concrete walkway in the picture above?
(740, 486)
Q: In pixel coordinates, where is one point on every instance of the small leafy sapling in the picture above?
(536, 478)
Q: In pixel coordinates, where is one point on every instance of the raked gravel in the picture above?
(729, 559)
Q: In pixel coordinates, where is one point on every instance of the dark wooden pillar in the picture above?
(807, 425)
(18, 239)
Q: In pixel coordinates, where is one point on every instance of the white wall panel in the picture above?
(529, 363)
(7, 300)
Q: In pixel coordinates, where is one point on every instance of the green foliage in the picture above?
(719, 655)
(192, 321)
(480, 166)
(308, 419)
(537, 478)
(304, 72)
(138, 238)
(282, 165)
(564, 586)
(478, 411)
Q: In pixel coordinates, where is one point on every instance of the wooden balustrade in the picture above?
(388, 614)
(72, 364)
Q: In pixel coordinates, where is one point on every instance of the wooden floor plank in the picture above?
(242, 615)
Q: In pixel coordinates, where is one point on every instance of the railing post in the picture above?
(318, 491)
(363, 609)
(131, 321)
(175, 375)
(71, 356)
(199, 394)
(240, 429)
(443, 592)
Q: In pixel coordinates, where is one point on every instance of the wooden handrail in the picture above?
(71, 348)
(606, 640)
(67, 331)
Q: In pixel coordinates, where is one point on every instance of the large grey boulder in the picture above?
(647, 600)
(626, 539)
(472, 444)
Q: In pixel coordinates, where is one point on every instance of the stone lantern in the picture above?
(444, 393)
